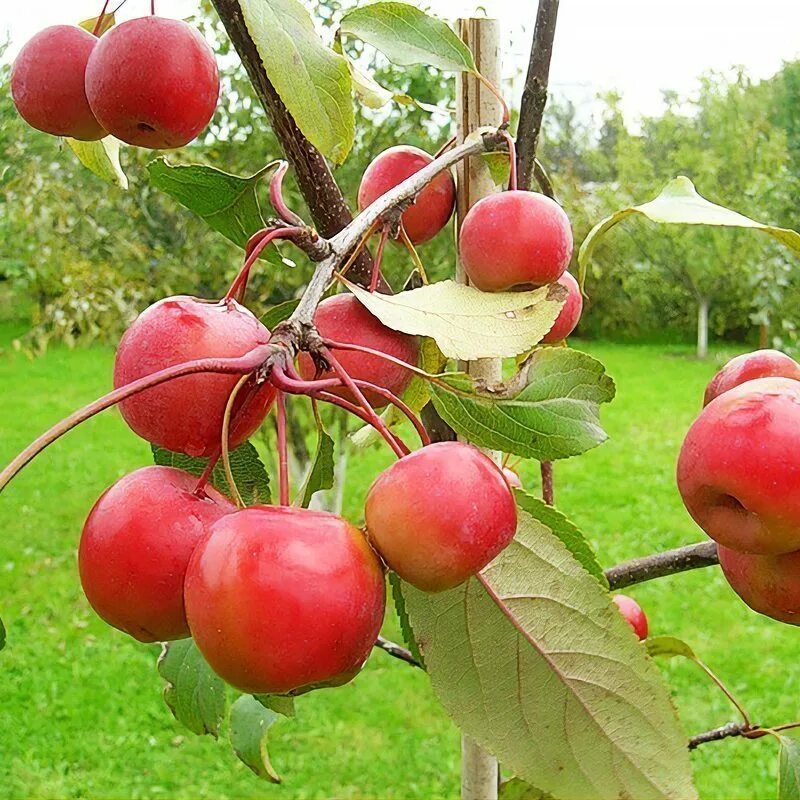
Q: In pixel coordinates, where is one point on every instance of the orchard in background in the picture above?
(500, 597)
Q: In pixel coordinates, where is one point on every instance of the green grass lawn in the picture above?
(80, 709)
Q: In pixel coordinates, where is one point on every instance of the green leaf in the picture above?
(680, 204)
(407, 35)
(109, 20)
(570, 535)
(533, 660)
(466, 323)
(279, 313)
(556, 415)
(499, 167)
(515, 789)
(789, 768)
(227, 203)
(249, 472)
(312, 80)
(102, 158)
(371, 94)
(279, 703)
(669, 647)
(320, 473)
(194, 694)
(250, 723)
(402, 615)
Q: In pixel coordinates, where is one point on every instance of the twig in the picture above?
(723, 732)
(534, 94)
(396, 651)
(658, 565)
(548, 492)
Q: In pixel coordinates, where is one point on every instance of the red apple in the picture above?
(633, 614)
(746, 367)
(153, 82)
(342, 318)
(739, 467)
(282, 600)
(185, 414)
(770, 585)
(570, 313)
(514, 239)
(433, 206)
(440, 514)
(136, 545)
(48, 83)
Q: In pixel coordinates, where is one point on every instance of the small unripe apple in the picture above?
(739, 467)
(440, 514)
(344, 319)
(746, 367)
(153, 82)
(185, 414)
(570, 313)
(514, 239)
(770, 585)
(433, 206)
(633, 614)
(136, 545)
(48, 83)
(282, 600)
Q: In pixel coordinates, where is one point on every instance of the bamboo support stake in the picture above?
(476, 108)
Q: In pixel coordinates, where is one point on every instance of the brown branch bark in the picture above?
(397, 651)
(658, 565)
(534, 94)
(717, 734)
(322, 194)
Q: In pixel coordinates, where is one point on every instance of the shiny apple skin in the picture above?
(440, 514)
(739, 467)
(770, 585)
(281, 600)
(153, 82)
(633, 614)
(136, 545)
(185, 414)
(48, 83)
(570, 314)
(434, 205)
(747, 367)
(343, 318)
(514, 239)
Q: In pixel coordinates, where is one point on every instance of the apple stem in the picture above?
(496, 92)
(445, 147)
(512, 155)
(99, 22)
(152, 8)
(205, 476)
(376, 264)
(225, 439)
(412, 251)
(283, 452)
(240, 365)
(257, 242)
(276, 197)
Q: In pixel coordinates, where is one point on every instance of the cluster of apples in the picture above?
(510, 240)
(739, 477)
(151, 82)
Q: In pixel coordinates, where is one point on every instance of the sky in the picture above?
(637, 47)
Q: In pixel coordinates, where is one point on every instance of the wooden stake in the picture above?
(476, 108)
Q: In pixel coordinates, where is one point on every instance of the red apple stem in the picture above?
(276, 197)
(225, 438)
(445, 147)
(496, 92)
(259, 241)
(376, 264)
(152, 8)
(205, 476)
(297, 385)
(512, 155)
(239, 365)
(283, 450)
(99, 22)
(380, 354)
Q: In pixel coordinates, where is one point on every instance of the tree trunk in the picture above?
(477, 108)
(702, 327)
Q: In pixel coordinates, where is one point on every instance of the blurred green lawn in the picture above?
(80, 709)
